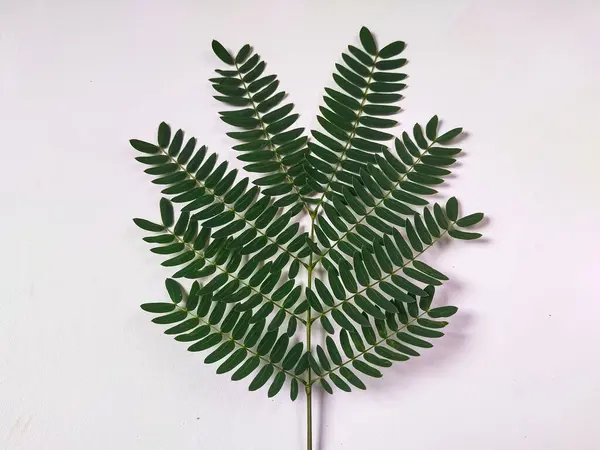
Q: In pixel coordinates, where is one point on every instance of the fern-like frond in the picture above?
(378, 197)
(385, 272)
(355, 114)
(236, 341)
(241, 271)
(368, 348)
(241, 242)
(271, 148)
(210, 194)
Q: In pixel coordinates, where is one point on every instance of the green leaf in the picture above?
(419, 137)
(410, 145)
(243, 54)
(389, 76)
(429, 270)
(448, 136)
(351, 76)
(323, 358)
(383, 98)
(247, 66)
(350, 88)
(391, 50)
(412, 340)
(387, 87)
(302, 364)
(390, 64)
(147, 225)
(293, 356)
(440, 217)
(266, 343)
(176, 316)
(326, 386)
(381, 301)
(194, 335)
(334, 354)
(422, 231)
(376, 360)
(327, 325)
(219, 220)
(246, 369)
(277, 384)
(411, 288)
(427, 323)
(428, 333)
(392, 251)
(233, 361)
(360, 270)
(370, 264)
(366, 369)
(402, 348)
(313, 300)
(158, 307)
(432, 226)
(222, 53)
(174, 289)
(146, 147)
(452, 209)
(342, 320)
(235, 101)
(254, 73)
(457, 234)
(355, 65)
(221, 352)
(206, 343)
(360, 55)
(442, 311)
(182, 223)
(352, 378)
(380, 110)
(413, 238)
(166, 212)
(280, 347)
(390, 354)
(346, 276)
(368, 307)
(341, 384)
(153, 160)
(324, 293)
(368, 41)
(431, 128)
(470, 220)
(335, 284)
(293, 389)
(214, 284)
(355, 315)
(164, 135)
(370, 133)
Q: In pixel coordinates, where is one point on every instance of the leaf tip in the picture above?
(222, 52)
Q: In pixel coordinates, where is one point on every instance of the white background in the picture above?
(82, 367)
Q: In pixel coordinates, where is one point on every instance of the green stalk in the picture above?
(309, 438)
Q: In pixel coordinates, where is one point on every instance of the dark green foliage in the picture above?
(241, 242)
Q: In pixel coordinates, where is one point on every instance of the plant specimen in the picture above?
(263, 287)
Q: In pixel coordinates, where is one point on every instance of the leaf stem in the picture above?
(309, 321)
